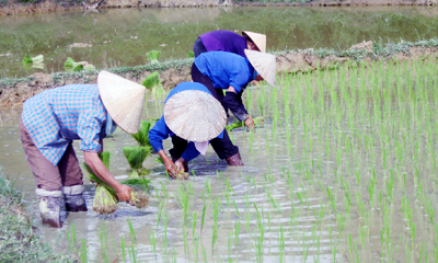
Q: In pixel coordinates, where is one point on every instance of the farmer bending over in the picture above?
(192, 118)
(54, 118)
(226, 71)
(223, 40)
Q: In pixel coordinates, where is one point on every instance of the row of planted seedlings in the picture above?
(366, 138)
(345, 172)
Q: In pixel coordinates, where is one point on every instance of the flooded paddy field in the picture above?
(344, 169)
(122, 38)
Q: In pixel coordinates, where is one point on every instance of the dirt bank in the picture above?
(13, 92)
(12, 7)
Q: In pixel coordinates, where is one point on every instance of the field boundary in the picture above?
(14, 7)
(14, 92)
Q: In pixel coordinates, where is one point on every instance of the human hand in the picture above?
(180, 165)
(124, 193)
(249, 122)
(171, 168)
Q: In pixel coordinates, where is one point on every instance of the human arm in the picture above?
(234, 102)
(96, 165)
(157, 134)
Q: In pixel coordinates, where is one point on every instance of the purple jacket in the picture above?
(223, 40)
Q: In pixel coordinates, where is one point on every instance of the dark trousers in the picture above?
(224, 148)
(198, 47)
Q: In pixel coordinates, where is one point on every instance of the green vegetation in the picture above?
(18, 240)
(105, 198)
(71, 65)
(153, 56)
(137, 154)
(286, 28)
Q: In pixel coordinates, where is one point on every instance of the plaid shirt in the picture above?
(55, 117)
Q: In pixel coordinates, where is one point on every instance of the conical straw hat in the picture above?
(265, 64)
(258, 39)
(123, 99)
(194, 115)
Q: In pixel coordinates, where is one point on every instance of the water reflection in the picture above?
(118, 38)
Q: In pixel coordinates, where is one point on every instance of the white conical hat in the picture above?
(123, 99)
(265, 64)
(194, 115)
(258, 39)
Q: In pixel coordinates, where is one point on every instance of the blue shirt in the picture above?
(223, 40)
(225, 69)
(55, 117)
(160, 131)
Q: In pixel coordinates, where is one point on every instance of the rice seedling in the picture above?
(136, 156)
(153, 56)
(35, 62)
(195, 218)
(105, 200)
(204, 209)
(71, 65)
(215, 224)
(123, 248)
(103, 238)
(84, 253)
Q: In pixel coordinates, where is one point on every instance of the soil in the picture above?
(290, 63)
(12, 7)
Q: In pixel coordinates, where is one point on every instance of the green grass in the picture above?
(18, 240)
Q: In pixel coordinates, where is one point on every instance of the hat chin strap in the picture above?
(201, 147)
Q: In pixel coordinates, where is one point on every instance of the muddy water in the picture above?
(343, 170)
(264, 172)
(119, 38)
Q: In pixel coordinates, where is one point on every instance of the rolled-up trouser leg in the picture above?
(46, 174)
(74, 199)
(223, 146)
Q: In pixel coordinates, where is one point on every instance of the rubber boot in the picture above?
(235, 160)
(74, 199)
(50, 207)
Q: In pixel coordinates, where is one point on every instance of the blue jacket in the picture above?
(160, 131)
(225, 69)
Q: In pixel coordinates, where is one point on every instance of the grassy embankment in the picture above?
(18, 240)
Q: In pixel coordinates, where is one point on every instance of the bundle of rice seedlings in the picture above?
(139, 199)
(28, 60)
(142, 137)
(191, 54)
(71, 65)
(136, 156)
(35, 62)
(154, 56)
(105, 199)
(258, 121)
(182, 175)
(153, 81)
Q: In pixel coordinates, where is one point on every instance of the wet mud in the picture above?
(292, 62)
